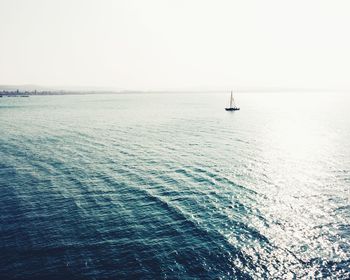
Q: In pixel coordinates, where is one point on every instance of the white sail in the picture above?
(232, 104)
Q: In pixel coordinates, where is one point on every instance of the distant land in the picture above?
(56, 90)
(26, 90)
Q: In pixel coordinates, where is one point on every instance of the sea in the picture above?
(172, 186)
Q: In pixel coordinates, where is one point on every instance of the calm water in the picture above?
(173, 186)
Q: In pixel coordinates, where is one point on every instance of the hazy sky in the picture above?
(158, 44)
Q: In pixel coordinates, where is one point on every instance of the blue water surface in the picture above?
(171, 186)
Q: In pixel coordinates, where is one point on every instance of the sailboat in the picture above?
(232, 105)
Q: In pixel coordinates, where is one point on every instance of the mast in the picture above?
(231, 100)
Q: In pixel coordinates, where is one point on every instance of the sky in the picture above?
(178, 44)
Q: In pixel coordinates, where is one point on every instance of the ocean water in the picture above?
(171, 186)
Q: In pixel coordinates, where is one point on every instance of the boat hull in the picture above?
(232, 109)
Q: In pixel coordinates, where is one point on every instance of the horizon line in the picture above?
(105, 89)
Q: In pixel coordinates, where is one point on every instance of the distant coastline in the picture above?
(6, 91)
(26, 93)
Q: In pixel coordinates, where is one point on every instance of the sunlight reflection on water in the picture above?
(173, 185)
